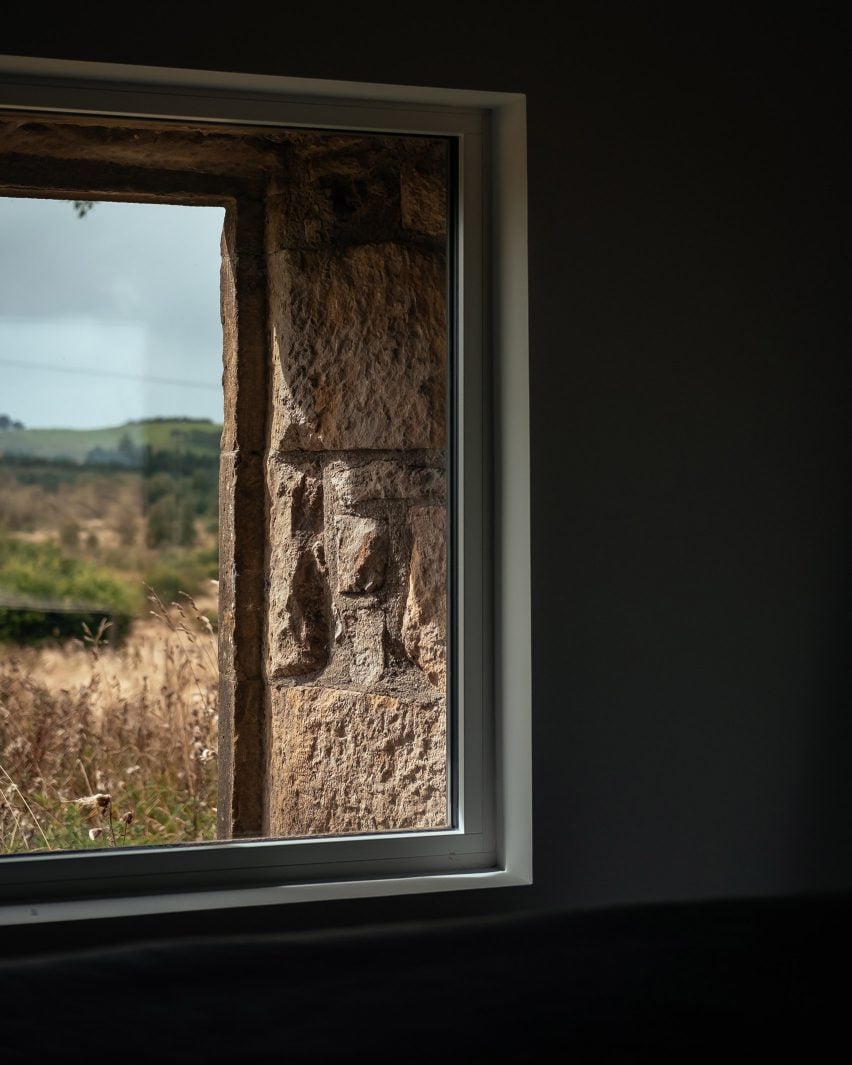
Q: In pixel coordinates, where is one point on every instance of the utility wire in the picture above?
(107, 373)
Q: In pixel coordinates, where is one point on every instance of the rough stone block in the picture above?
(241, 570)
(359, 348)
(362, 554)
(423, 200)
(347, 193)
(385, 480)
(343, 761)
(228, 314)
(352, 189)
(142, 143)
(368, 651)
(242, 729)
(243, 292)
(298, 620)
(424, 623)
(227, 576)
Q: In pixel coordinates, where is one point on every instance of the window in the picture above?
(487, 840)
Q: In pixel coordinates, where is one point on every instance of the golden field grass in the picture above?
(105, 746)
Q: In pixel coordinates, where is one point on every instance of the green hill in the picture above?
(120, 444)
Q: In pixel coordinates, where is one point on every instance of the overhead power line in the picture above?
(83, 371)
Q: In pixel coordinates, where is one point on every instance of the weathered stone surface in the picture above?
(295, 496)
(241, 569)
(145, 144)
(362, 554)
(385, 480)
(359, 348)
(424, 623)
(343, 761)
(341, 190)
(423, 199)
(368, 651)
(242, 729)
(245, 341)
(336, 189)
(298, 622)
(228, 314)
(227, 575)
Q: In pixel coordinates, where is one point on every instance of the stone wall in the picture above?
(355, 656)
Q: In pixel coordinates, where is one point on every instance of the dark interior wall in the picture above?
(690, 437)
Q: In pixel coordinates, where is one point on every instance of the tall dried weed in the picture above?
(103, 746)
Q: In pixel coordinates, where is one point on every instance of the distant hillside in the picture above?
(123, 445)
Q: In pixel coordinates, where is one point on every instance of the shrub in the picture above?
(50, 594)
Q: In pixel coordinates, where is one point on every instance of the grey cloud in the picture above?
(151, 265)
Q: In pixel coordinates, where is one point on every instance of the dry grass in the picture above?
(103, 746)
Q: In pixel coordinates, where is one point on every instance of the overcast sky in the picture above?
(99, 314)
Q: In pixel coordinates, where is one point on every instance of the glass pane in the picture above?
(331, 312)
(110, 421)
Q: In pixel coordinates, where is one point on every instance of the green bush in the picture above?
(63, 593)
(37, 627)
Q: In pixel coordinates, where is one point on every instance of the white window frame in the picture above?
(491, 844)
